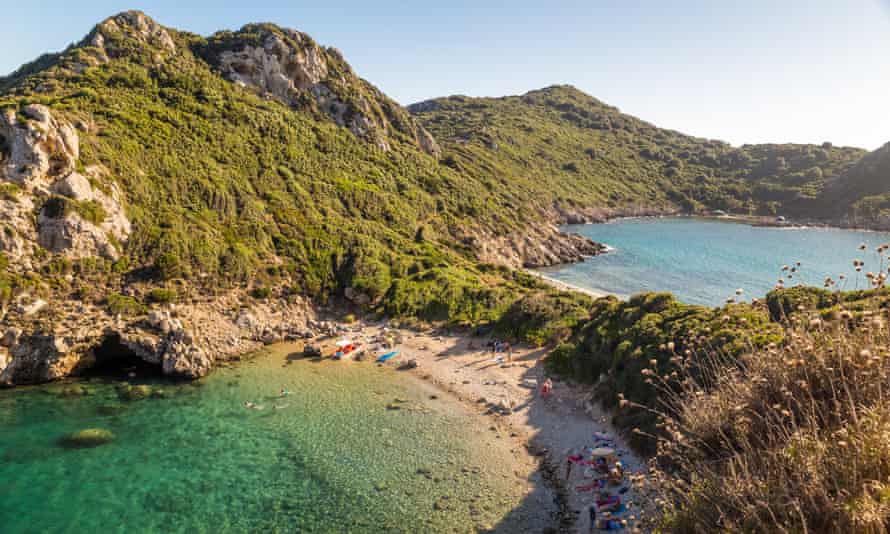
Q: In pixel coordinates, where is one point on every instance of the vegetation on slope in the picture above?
(223, 185)
(790, 438)
(622, 338)
(865, 188)
(565, 147)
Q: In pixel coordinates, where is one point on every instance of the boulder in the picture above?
(74, 186)
(89, 437)
(75, 390)
(74, 236)
(183, 358)
(129, 393)
(33, 308)
(356, 296)
(10, 337)
(293, 68)
(246, 320)
(37, 358)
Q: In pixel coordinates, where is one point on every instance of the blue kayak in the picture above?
(387, 356)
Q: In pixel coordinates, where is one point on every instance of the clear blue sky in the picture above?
(744, 72)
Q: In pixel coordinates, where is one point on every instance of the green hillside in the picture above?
(564, 146)
(225, 185)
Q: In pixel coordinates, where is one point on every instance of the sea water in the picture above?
(703, 261)
(354, 447)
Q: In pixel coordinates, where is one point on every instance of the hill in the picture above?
(572, 150)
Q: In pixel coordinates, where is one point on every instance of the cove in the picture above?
(354, 447)
(703, 261)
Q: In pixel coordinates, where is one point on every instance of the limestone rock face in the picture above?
(38, 147)
(540, 246)
(183, 358)
(132, 24)
(74, 236)
(39, 358)
(40, 152)
(290, 66)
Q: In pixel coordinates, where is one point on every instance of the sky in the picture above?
(742, 71)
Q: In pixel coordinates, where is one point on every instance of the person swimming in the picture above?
(252, 405)
(284, 392)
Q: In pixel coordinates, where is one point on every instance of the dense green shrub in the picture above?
(161, 295)
(124, 305)
(648, 331)
(261, 293)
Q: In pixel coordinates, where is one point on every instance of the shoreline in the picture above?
(544, 431)
(565, 286)
(760, 221)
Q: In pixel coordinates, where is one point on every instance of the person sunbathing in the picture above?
(547, 388)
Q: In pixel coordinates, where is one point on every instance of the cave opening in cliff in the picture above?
(113, 359)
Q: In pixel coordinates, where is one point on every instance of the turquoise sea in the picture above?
(703, 261)
(354, 448)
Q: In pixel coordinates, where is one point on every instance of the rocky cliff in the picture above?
(290, 66)
(78, 216)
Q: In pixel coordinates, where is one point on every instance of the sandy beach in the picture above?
(507, 393)
(565, 286)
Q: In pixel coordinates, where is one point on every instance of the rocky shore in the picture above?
(183, 340)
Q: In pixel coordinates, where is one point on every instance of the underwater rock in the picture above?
(133, 393)
(76, 390)
(89, 437)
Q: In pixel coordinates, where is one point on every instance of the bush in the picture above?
(544, 317)
(57, 207)
(621, 339)
(9, 191)
(160, 295)
(124, 305)
(793, 438)
(168, 266)
(261, 293)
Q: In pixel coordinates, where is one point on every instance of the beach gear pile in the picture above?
(604, 476)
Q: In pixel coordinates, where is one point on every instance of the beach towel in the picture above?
(612, 500)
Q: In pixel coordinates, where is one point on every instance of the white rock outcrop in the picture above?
(38, 147)
(290, 66)
(132, 24)
(39, 156)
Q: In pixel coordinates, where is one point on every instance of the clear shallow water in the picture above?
(703, 261)
(334, 459)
